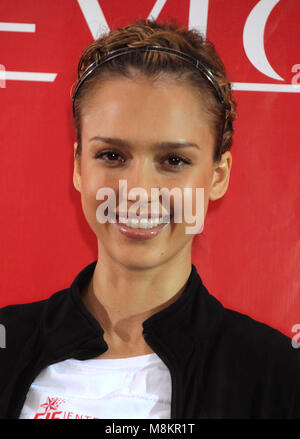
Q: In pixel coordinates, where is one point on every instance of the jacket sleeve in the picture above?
(19, 335)
(264, 364)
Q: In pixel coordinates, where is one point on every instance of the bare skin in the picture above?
(135, 279)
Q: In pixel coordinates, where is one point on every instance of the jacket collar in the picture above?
(194, 316)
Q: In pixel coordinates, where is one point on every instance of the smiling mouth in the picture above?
(143, 222)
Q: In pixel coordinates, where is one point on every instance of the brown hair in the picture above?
(155, 65)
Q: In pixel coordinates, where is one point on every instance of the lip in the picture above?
(139, 234)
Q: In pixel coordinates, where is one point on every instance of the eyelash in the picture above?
(169, 156)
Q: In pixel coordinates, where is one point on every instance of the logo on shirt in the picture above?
(51, 410)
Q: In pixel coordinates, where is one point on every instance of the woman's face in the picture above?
(152, 135)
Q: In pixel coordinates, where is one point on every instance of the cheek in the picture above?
(196, 197)
(92, 179)
(89, 188)
(197, 185)
(91, 182)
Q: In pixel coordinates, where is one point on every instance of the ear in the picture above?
(76, 170)
(221, 176)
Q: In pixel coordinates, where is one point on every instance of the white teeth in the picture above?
(143, 223)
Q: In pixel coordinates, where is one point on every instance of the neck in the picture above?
(121, 298)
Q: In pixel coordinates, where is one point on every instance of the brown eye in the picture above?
(176, 161)
(111, 157)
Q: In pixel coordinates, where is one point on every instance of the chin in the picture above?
(140, 260)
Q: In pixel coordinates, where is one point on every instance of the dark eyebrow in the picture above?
(125, 144)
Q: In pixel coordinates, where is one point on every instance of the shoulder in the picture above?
(245, 327)
(20, 320)
(258, 344)
(249, 366)
(234, 331)
(25, 310)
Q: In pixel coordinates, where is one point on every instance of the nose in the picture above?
(140, 178)
(142, 174)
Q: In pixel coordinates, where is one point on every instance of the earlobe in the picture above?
(221, 177)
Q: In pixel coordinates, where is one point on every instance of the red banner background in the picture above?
(249, 255)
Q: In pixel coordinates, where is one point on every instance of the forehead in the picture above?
(143, 110)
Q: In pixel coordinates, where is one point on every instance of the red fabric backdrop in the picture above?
(249, 255)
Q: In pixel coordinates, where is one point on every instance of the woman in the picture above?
(137, 335)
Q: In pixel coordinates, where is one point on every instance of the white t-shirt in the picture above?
(129, 388)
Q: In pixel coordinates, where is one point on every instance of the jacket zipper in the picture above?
(160, 352)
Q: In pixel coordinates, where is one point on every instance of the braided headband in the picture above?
(204, 70)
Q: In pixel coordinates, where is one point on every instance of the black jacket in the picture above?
(223, 364)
